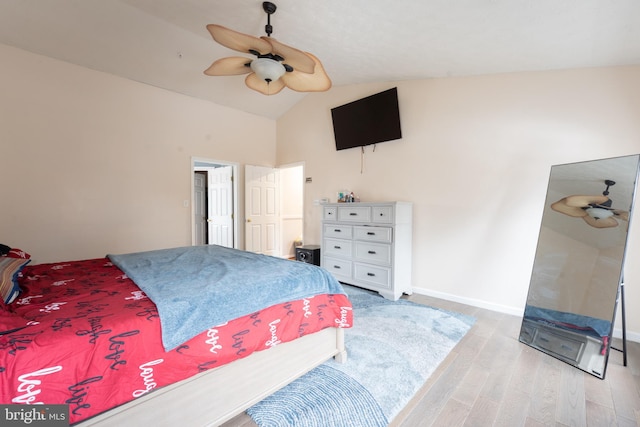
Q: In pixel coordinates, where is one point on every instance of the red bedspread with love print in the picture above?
(81, 333)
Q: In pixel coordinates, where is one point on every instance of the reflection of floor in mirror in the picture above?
(491, 378)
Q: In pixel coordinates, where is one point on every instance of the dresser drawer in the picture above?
(373, 234)
(338, 267)
(329, 213)
(338, 231)
(354, 213)
(377, 253)
(338, 247)
(379, 276)
(563, 345)
(382, 214)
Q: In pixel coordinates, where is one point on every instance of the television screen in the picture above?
(367, 121)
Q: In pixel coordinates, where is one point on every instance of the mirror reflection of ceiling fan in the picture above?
(276, 65)
(597, 211)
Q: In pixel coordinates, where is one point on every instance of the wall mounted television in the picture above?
(367, 121)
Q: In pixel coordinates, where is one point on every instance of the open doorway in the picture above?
(214, 202)
(292, 207)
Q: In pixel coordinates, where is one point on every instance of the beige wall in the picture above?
(474, 159)
(94, 164)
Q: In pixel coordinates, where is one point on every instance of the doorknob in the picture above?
(209, 220)
(249, 220)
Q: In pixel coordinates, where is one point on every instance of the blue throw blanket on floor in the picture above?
(198, 287)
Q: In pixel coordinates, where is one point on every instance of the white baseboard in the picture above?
(514, 311)
(631, 336)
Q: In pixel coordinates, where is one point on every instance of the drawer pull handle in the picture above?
(337, 230)
(371, 233)
(336, 267)
(371, 274)
(337, 247)
(371, 252)
(353, 214)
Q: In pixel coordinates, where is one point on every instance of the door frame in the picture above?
(200, 162)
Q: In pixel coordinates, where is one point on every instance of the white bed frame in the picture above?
(213, 397)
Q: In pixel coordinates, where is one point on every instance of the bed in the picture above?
(107, 336)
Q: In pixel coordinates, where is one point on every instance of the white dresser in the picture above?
(369, 245)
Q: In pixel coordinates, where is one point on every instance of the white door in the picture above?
(262, 220)
(220, 201)
(220, 218)
(200, 207)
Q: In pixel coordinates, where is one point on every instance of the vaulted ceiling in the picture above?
(165, 43)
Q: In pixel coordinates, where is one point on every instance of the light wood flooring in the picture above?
(491, 379)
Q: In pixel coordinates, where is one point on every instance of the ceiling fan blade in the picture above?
(601, 223)
(584, 201)
(230, 66)
(238, 41)
(299, 60)
(572, 205)
(256, 83)
(562, 207)
(319, 81)
(621, 214)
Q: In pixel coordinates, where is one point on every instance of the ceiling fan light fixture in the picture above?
(599, 213)
(267, 69)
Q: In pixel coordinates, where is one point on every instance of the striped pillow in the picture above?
(9, 269)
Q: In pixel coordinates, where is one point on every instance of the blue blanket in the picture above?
(597, 328)
(198, 287)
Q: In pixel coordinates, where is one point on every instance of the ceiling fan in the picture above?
(276, 65)
(597, 211)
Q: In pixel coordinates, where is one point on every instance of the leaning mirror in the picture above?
(579, 261)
